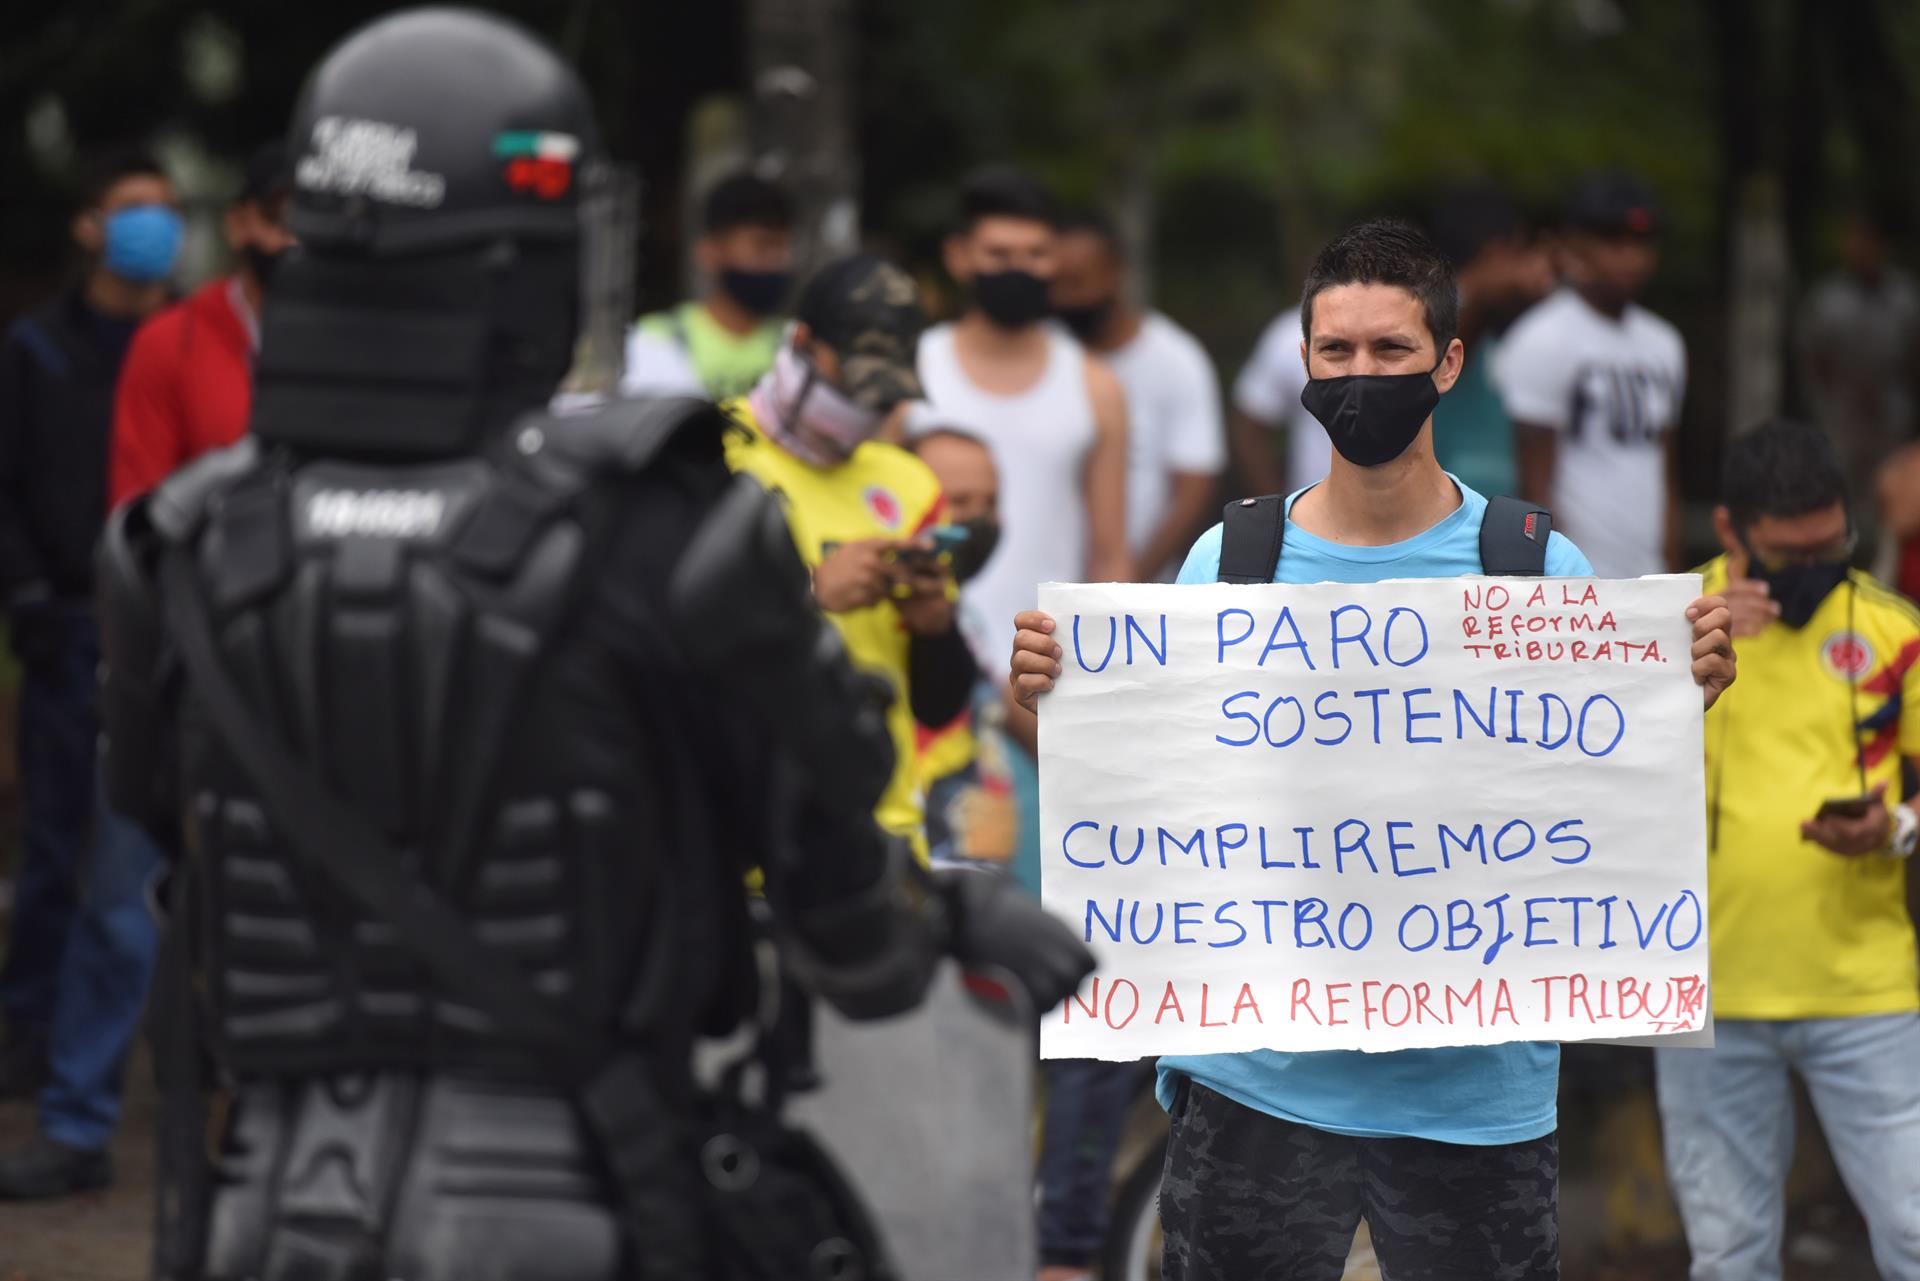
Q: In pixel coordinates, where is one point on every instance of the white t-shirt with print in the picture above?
(1173, 421)
(1612, 389)
(1268, 391)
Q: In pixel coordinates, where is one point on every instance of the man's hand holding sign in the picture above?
(1387, 795)
(1371, 817)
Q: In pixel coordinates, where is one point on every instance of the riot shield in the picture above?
(931, 1117)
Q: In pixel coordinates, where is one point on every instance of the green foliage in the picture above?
(1304, 113)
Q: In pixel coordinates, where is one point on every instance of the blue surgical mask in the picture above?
(142, 242)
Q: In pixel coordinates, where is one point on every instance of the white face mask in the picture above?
(810, 417)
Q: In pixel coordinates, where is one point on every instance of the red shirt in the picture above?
(186, 389)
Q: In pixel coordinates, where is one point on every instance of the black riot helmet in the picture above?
(441, 159)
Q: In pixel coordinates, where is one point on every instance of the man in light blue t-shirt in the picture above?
(1450, 1154)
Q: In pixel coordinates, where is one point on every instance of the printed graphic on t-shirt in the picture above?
(1630, 404)
(1847, 655)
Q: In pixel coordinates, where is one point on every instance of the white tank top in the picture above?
(1040, 440)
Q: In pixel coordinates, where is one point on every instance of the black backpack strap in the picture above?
(1513, 538)
(623, 1106)
(1251, 531)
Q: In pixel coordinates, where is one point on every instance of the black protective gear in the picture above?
(742, 589)
(872, 955)
(479, 658)
(135, 754)
(994, 924)
(439, 157)
(467, 723)
(405, 139)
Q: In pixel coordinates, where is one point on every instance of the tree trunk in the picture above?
(801, 125)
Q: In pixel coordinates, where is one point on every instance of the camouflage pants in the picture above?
(1250, 1197)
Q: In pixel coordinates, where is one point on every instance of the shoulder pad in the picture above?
(1513, 538)
(178, 504)
(624, 434)
(1252, 531)
(126, 551)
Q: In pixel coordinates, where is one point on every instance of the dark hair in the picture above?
(746, 200)
(1005, 192)
(1780, 468)
(1387, 251)
(103, 172)
(1468, 219)
(266, 176)
(1091, 222)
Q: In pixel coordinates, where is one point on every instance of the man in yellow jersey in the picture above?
(1809, 840)
(860, 508)
(719, 344)
(972, 812)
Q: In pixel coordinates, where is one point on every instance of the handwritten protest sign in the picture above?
(1373, 817)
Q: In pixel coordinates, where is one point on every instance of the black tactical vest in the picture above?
(472, 654)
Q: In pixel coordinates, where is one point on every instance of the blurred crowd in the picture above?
(1060, 429)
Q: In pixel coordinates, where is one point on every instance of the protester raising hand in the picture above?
(1036, 658)
(1713, 662)
(1752, 606)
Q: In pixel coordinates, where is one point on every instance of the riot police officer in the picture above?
(465, 723)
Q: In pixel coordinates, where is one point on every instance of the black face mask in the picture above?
(1798, 589)
(1372, 418)
(262, 263)
(970, 557)
(1011, 299)
(1086, 322)
(760, 292)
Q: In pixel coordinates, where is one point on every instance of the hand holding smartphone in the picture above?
(1847, 806)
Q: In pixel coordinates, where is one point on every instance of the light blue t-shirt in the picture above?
(1481, 1094)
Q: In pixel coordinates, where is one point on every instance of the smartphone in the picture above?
(949, 538)
(946, 540)
(1845, 807)
(917, 557)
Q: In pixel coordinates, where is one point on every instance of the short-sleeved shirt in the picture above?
(1797, 931)
(186, 388)
(685, 351)
(1173, 419)
(1612, 390)
(1477, 1094)
(1268, 391)
(1472, 435)
(881, 491)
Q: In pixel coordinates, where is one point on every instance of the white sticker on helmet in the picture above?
(351, 157)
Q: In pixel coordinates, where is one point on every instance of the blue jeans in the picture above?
(56, 731)
(104, 978)
(1087, 1103)
(1727, 1114)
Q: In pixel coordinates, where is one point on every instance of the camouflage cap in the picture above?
(869, 312)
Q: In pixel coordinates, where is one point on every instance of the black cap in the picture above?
(1613, 204)
(267, 176)
(869, 312)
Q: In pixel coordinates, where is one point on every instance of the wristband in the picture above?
(1906, 832)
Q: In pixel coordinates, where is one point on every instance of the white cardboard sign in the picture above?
(1410, 813)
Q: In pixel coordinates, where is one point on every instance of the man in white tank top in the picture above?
(1055, 418)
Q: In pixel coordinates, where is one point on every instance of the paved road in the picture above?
(102, 1236)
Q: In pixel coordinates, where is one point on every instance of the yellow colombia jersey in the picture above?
(1797, 930)
(882, 491)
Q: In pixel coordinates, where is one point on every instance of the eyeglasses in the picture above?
(1833, 552)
